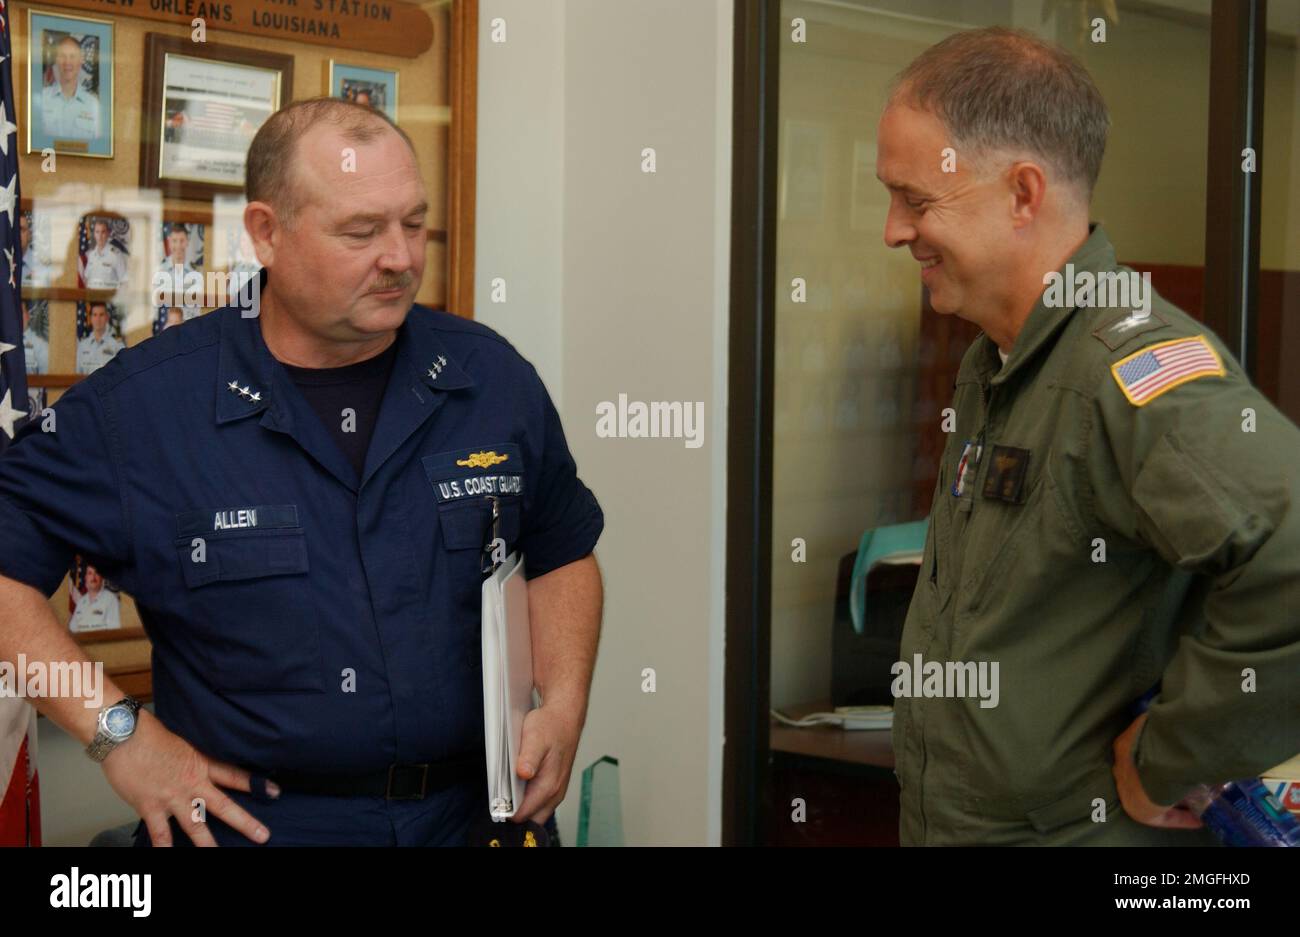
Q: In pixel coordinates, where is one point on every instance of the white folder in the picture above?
(507, 682)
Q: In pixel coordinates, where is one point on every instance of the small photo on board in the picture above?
(179, 272)
(93, 600)
(99, 334)
(103, 247)
(373, 87)
(182, 246)
(69, 84)
(34, 245)
(36, 335)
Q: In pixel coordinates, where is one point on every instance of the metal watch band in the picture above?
(103, 743)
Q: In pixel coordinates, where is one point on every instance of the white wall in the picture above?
(520, 171)
(566, 106)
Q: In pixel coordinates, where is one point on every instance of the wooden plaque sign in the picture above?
(389, 26)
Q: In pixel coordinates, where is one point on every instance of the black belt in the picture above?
(396, 782)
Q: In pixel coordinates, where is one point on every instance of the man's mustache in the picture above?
(401, 282)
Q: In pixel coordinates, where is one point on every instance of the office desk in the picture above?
(871, 747)
(845, 779)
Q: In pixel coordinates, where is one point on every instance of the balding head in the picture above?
(273, 154)
(345, 266)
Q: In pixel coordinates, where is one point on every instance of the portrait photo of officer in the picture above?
(343, 470)
(99, 331)
(95, 606)
(1105, 526)
(102, 260)
(70, 58)
(178, 272)
(183, 248)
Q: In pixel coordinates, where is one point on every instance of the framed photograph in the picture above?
(69, 84)
(374, 87)
(178, 274)
(93, 600)
(100, 334)
(103, 252)
(202, 105)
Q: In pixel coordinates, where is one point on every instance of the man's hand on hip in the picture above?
(1131, 795)
(160, 774)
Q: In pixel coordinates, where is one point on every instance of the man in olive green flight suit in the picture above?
(1117, 506)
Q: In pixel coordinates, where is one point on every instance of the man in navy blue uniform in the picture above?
(298, 494)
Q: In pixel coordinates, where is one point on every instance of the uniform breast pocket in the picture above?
(467, 484)
(247, 597)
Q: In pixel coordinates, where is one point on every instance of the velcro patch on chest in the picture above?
(1157, 369)
(1006, 476)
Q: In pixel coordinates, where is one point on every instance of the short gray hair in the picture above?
(268, 173)
(1006, 89)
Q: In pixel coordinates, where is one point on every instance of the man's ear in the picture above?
(263, 228)
(1027, 184)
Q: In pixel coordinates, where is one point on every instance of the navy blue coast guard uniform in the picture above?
(198, 439)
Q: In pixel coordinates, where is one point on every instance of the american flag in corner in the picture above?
(20, 802)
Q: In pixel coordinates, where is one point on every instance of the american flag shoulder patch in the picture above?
(1146, 374)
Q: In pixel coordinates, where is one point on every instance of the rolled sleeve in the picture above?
(60, 494)
(565, 520)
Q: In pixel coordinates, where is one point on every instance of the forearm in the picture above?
(28, 627)
(564, 608)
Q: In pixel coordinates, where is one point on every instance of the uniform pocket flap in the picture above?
(466, 525)
(274, 553)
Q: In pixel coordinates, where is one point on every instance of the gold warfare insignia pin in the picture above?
(482, 460)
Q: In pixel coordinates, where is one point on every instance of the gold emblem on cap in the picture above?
(482, 460)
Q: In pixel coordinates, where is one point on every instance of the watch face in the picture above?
(119, 722)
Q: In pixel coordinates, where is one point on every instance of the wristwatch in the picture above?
(116, 725)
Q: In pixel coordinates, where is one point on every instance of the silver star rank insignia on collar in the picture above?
(244, 392)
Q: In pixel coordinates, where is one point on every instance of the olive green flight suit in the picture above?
(1198, 585)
